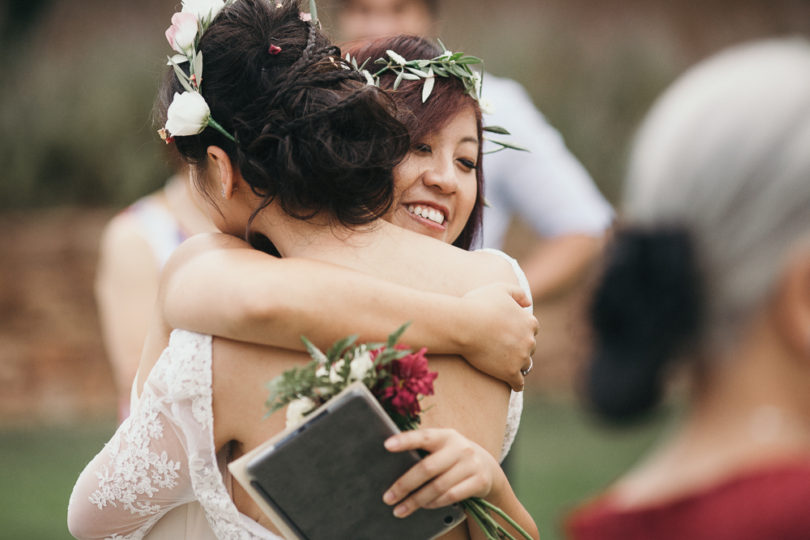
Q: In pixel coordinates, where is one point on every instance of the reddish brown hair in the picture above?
(447, 99)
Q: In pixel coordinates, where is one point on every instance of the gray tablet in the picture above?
(326, 478)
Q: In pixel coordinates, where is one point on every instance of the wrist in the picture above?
(462, 334)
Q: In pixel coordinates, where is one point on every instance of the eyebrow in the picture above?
(473, 140)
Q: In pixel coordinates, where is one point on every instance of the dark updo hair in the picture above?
(646, 310)
(310, 134)
(447, 99)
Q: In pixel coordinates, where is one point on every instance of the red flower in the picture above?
(410, 380)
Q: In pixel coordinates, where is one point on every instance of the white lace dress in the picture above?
(161, 467)
(159, 477)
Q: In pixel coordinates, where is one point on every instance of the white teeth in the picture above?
(426, 212)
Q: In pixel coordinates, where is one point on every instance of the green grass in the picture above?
(39, 469)
(559, 458)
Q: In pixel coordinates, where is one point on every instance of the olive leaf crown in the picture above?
(447, 64)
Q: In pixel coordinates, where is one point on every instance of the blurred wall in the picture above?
(79, 78)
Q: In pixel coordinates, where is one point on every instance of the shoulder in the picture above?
(204, 244)
(124, 250)
(501, 87)
(494, 265)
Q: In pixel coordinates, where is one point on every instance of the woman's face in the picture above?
(436, 184)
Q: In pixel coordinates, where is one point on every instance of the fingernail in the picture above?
(400, 510)
(388, 498)
(391, 443)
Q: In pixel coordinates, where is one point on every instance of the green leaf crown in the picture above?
(447, 64)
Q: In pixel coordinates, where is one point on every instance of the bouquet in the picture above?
(398, 377)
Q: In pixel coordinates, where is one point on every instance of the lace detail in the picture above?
(161, 457)
(188, 376)
(515, 398)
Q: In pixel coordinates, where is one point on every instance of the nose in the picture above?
(442, 178)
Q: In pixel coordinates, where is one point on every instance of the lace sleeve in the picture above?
(146, 469)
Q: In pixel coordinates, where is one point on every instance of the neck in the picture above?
(320, 237)
(755, 394)
(750, 410)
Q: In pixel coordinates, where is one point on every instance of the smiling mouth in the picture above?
(426, 212)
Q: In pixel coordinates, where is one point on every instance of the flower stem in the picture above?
(504, 515)
(473, 512)
(214, 124)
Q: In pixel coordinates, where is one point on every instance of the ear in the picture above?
(221, 170)
(793, 305)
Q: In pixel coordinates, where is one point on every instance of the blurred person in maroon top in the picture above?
(710, 275)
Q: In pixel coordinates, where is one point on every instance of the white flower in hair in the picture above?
(188, 114)
(182, 33)
(486, 106)
(477, 82)
(203, 9)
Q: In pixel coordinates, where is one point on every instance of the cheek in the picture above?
(405, 174)
(467, 196)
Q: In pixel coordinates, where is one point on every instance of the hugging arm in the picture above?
(219, 285)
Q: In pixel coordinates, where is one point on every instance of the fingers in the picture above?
(455, 470)
(519, 296)
(443, 486)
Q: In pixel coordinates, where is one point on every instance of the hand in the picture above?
(456, 469)
(501, 334)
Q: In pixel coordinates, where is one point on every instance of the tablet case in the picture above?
(324, 479)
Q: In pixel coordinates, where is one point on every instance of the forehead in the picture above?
(384, 5)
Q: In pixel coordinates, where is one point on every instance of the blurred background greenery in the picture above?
(78, 144)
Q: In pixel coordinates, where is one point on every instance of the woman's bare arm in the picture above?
(276, 301)
(456, 469)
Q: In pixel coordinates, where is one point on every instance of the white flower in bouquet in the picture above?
(183, 32)
(334, 373)
(297, 410)
(188, 114)
(203, 9)
(360, 365)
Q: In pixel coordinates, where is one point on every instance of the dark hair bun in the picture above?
(309, 133)
(645, 310)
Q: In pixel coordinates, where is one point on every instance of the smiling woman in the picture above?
(439, 185)
(436, 184)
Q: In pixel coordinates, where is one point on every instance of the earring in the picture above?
(223, 192)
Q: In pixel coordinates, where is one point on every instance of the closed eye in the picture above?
(423, 148)
(467, 163)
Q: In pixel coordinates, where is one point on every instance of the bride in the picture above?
(291, 163)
